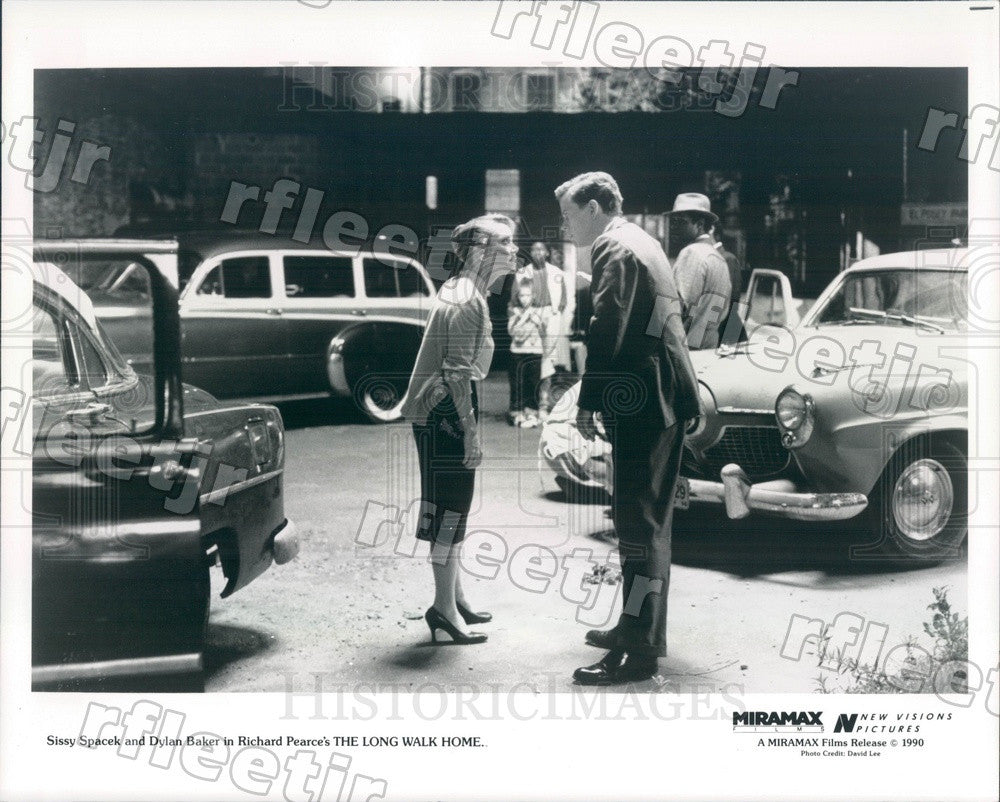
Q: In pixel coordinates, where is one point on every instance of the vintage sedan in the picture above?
(270, 318)
(859, 411)
(140, 484)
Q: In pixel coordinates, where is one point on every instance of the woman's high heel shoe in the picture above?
(470, 617)
(437, 621)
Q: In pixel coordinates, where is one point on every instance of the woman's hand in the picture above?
(473, 447)
(585, 424)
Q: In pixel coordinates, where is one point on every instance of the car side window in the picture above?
(95, 368)
(392, 279)
(319, 277)
(410, 281)
(766, 304)
(51, 375)
(239, 277)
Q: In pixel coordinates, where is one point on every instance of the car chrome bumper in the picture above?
(778, 497)
(285, 547)
(337, 374)
(129, 667)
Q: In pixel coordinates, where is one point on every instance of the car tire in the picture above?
(380, 398)
(919, 506)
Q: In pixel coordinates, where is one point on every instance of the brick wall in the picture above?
(98, 207)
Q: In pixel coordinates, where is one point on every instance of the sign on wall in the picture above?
(503, 191)
(934, 214)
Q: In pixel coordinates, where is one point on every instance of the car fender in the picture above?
(855, 437)
(385, 349)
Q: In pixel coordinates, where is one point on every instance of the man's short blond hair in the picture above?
(593, 186)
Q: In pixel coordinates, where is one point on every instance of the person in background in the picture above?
(442, 404)
(524, 324)
(700, 272)
(580, 322)
(563, 357)
(549, 295)
(735, 326)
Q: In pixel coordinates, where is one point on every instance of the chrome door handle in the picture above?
(272, 311)
(87, 414)
(359, 312)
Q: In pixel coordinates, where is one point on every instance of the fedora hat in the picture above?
(696, 203)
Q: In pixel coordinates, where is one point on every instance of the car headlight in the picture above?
(795, 413)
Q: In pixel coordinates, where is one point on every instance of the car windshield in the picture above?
(111, 352)
(121, 278)
(930, 299)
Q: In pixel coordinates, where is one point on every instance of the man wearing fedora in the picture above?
(700, 272)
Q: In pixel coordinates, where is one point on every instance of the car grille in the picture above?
(756, 449)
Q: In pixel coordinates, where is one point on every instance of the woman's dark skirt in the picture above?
(446, 486)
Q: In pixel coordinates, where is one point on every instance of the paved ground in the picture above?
(353, 613)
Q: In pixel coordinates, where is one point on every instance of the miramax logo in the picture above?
(773, 721)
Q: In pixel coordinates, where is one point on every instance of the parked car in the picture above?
(270, 318)
(140, 484)
(859, 410)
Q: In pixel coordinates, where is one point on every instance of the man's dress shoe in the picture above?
(612, 671)
(602, 638)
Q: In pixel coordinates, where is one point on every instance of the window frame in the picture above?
(410, 264)
(191, 296)
(318, 254)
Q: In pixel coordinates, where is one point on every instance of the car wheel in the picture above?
(920, 503)
(380, 398)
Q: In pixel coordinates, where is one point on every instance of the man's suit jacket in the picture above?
(636, 333)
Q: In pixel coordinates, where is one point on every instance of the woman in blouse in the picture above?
(442, 404)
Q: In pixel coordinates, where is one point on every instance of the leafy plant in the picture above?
(915, 672)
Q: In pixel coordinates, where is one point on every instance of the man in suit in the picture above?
(639, 377)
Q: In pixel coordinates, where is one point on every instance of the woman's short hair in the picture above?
(477, 231)
(593, 186)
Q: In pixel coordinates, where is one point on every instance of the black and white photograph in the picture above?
(404, 400)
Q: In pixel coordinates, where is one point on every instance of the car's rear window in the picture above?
(385, 278)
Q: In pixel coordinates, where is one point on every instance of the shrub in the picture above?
(915, 673)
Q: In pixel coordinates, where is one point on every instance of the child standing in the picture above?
(525, 326)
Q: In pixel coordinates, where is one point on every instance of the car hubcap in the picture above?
(383, 400)
(922, 499)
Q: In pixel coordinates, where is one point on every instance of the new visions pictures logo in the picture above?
(773, 721)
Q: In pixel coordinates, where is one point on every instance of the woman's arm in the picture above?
(465, 331)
